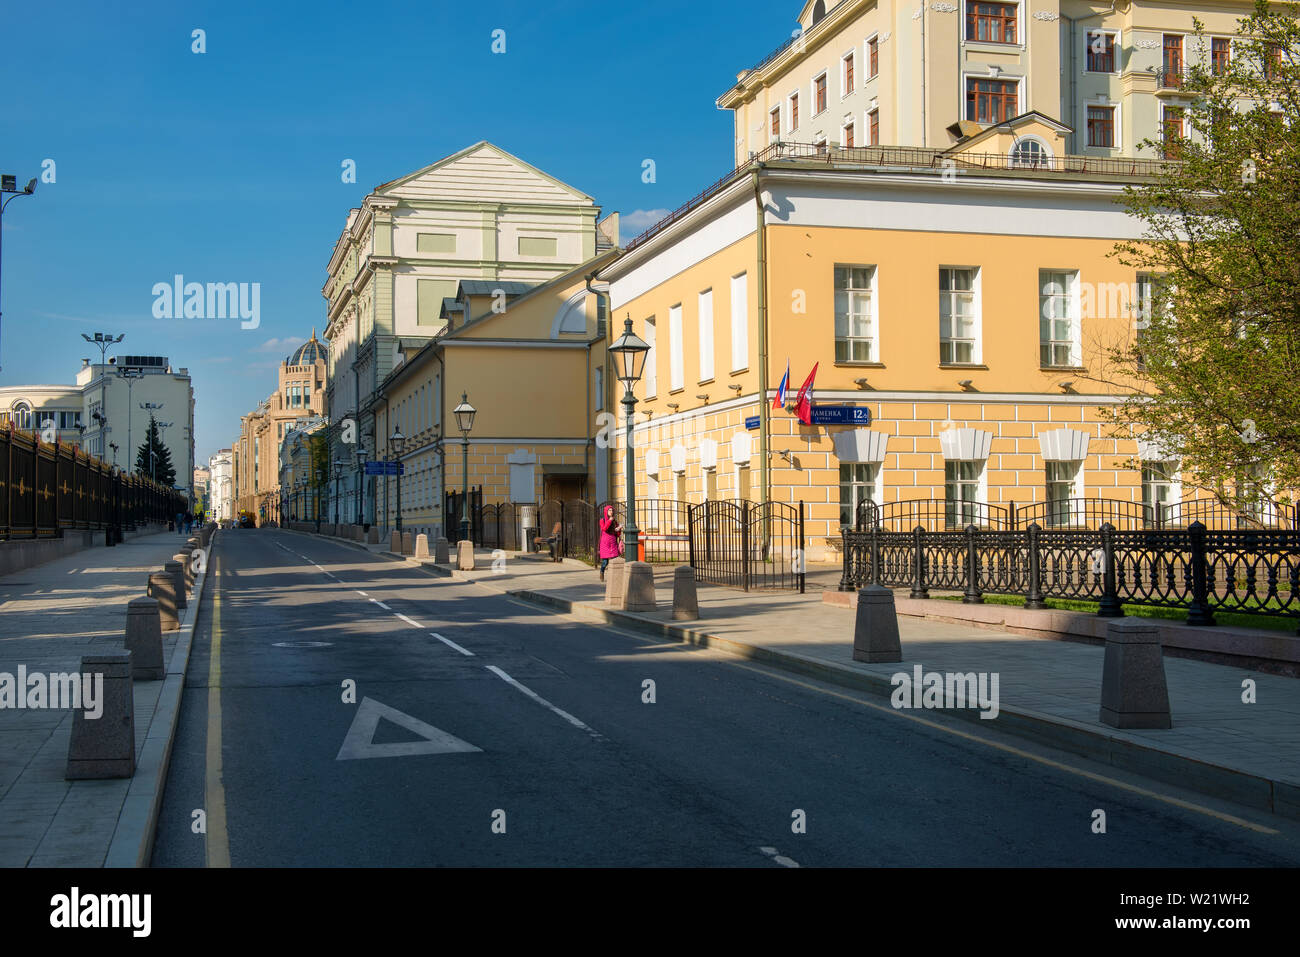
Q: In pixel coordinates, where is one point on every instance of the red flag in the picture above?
(804, 401)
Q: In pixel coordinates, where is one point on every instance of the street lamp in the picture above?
(338, 475)
(397, 440)
(103, 340)
(130, 375)
(464, 422)
(9, 184)
(361, 479)
(629, 352)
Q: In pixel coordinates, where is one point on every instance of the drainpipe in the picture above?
(442, 450)
(761, 224)
(604, 385)
(925, 84)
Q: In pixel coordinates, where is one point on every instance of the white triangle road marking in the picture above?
(360, 740)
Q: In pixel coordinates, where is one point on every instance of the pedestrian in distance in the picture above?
(611, 543)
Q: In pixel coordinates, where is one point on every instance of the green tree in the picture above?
(1214, 355)
(160, 469)
(320, 470)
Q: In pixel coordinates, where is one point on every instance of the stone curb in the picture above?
(1096, 744)
(132, 843)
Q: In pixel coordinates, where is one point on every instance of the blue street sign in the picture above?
(840, 415)
(385, 468)
(751, 422)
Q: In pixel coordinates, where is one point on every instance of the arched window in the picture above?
(1031, 152)
(22, 416)
(819, 11)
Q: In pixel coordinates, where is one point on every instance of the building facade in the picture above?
(480, 214)
(221, 485)
(879, 72)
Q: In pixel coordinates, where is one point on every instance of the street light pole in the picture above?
(629, 352)
(397, 440)
(464, 414)
(130, 375)
(361, 480)
(338, 476)
(9, 184)
(103, 340)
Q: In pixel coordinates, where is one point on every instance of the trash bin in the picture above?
(527, 527)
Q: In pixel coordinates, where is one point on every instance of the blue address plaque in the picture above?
(840, 415)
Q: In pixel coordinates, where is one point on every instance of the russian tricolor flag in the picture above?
(783, 388)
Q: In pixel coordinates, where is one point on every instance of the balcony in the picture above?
(1170, 82)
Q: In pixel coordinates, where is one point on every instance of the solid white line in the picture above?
(542, 701)
(450, 643)
(413, 624)
(363, 594)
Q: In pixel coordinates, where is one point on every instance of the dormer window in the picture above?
(1030, 153)
(819, 11)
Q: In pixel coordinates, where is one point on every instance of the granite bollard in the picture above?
(162, 588)
(465, 555)
(372, 535)
(1134, 693)
(686, 605)
(187, 568)
(408, 543)
(395, 542)
(144, 639)
(177, 571)
(614, 582)
(639, 587)
(104, 747)
(442, 551)
(875, 631)
(421, 546)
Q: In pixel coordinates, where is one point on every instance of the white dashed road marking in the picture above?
(452, 644)
(543, 702)
(779, 858)
(413, 624)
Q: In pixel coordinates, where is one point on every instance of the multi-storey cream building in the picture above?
(879, 72)
(300, 394)
(479, 214)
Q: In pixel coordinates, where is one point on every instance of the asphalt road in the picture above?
(718, 771)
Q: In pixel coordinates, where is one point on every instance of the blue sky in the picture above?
(225, 166)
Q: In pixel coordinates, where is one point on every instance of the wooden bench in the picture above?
(552, 542)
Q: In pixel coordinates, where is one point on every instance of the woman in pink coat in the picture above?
(610, 546)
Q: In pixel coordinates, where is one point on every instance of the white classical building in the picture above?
(221, 486)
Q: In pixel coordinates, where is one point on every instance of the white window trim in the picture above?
(866, 125)
(875, 313)
(676, 352)
(1182, 121)
(1076, 311)
(1087, 41)
(706, 334)
(977, 303)
(866, 57)
(968, 75)
(650, 374)
(1117, 124)
(844, 73)
(848, 121)
(780, 124)
(741, 356)
(812, 92)
(1022, 29)
(1032, 138)
(790, 110)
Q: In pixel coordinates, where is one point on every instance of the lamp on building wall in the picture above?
(464, 414)
(396, 441)
(629, 351)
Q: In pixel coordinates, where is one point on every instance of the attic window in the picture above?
(1030, 152)
(819, 11)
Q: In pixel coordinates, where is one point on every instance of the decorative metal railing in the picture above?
(748, 545)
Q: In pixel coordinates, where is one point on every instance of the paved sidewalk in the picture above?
(50, 616)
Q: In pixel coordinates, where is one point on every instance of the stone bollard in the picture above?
(162, 587)
(639, 587)
(408, 543)
(177, 571)
(187, 568)
(441, 551)
(614, 582)
(144, 639)
(372, 535)
(395, 542)
(465, 555)
(686, 605)
(421, 546)
(875, 632)
(104, 747)
(1133, 689)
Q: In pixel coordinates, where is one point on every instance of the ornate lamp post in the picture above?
(465, 422)
(103, 340)
(396, 441)
(338, 475)
(361, 481)
(629, 352)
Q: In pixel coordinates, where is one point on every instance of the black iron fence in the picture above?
(45, 488)
(1071, 513)
(748, 545)
(1250, 571)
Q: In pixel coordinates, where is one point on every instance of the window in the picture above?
(1058, 326)
(991, 101)
(1220, 52)
(706, 335)
(1172, 69)
(857, 484)
(1272, 60)
(848, 74)
(739, 322)
(991, 22)
(651, 372)
(962, 493)
(776, 123)
(1030, 153)
(873, 120)
(680, 483)
(742, 482)
(1172, 127)
(794, 111)
(1101, 51)
(598, 387)
(819, 95)
(1159, 488)
(854, 314)
(22, 416)
(1101, 126)
(710, 485)
(873, 57)
(676, 375)
(651, 487)
(957, 316)
(848, 135)
(1062, 479)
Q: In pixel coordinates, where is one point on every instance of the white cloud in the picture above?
(633, 224)
(285, 345)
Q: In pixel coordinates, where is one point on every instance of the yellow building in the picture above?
(958, 317)
(878, 72)
(531, 360)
